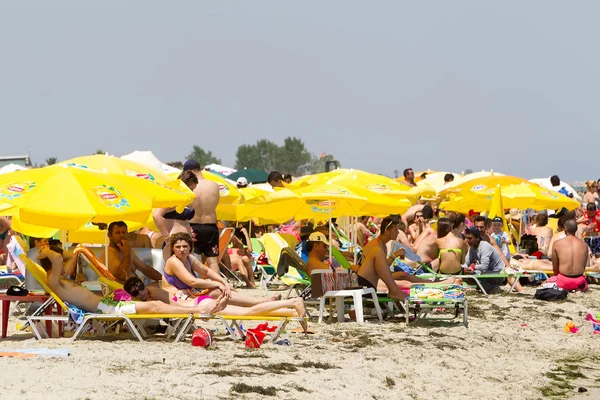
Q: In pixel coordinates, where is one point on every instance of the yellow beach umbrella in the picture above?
(177, 194)
(530, 195)
(481, 184)
(68, 198)
(154, 185)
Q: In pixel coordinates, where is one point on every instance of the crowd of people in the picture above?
(385, 253)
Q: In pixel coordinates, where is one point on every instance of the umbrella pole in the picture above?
(330, 232)
(106, 251)
(354, 238)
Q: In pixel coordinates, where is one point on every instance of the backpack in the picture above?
(550, 294)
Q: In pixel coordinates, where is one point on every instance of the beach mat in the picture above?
(36, 352)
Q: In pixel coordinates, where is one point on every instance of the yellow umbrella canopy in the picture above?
(159, 187)
(314, 201)
(118, 166)
(530, 195)
(522, 196)
(482, 183)
(378, 184)
(68, 198)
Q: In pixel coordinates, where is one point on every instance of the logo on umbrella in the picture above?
(223, 190)
(320, 206)
(380, 187)
(111, 197)
(14, 190)
(142, 175)
(478, 187)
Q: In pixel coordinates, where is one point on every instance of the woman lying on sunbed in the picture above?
(183, 286)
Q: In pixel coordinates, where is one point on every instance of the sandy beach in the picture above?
(514, 348)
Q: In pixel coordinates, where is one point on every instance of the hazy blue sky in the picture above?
(450, 85)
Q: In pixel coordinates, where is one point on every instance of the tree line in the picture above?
(290, 158)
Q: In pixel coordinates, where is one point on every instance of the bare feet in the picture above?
(301, 310)
(276, 297)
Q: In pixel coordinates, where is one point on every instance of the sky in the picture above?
(444, 85)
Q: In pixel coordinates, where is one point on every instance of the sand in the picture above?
(514, 348)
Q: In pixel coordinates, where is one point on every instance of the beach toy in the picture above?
(254, 338)
(595, 322)
(201, 337)
(570, 327)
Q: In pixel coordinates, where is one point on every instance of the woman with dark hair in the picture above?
(452, 249)
(542, 232)
(190, 282)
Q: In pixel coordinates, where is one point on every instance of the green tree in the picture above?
(51, 160)
(293, 158)
(203, 157)
(262, 155)
(100, 151)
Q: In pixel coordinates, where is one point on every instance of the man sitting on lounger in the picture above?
(73, 293)
(317, 247)
(569, 259)
(482, 258)
(122, 261)
(376, 264)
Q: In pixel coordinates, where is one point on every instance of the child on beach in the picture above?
(501, 237)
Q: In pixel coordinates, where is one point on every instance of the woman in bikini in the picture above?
(452, 249)
(181, 280)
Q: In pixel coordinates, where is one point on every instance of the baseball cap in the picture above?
(498, 219)
(191, 165)
(318, 237)
(241, 181)
(474, 231)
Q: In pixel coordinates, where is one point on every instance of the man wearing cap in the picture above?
(482, 258)
(317, 248)
(204, 223)
(242, 182)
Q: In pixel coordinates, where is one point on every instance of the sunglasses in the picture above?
(394, 219)
(137, 289)
(419, 216)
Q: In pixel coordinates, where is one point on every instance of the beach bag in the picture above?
(550, 294)
(529, 244)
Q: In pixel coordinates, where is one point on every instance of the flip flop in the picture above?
(301, 330)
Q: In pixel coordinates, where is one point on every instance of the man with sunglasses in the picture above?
(409, 177)
(376, 263)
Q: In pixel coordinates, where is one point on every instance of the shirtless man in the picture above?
(122, 262)
(425, 245)
(409, 177)
(317, 247)
(204, 222)
(570, 256)
(73, 293)
(376, 264)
